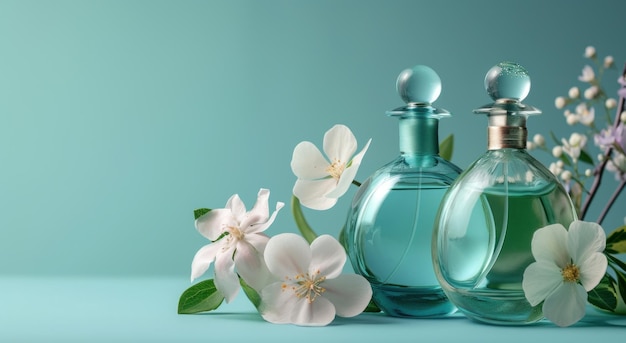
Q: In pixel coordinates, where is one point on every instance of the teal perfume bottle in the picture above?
(388, 232)
(482, 237)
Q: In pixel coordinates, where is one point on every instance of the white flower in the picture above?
(310, 290)
(568, 265)
(574, 92)
(610, 103)
(560, 102)
(590, 52)
(555, 169)
(238, 243)
(322, 181)
(557, 151)
(585, 115)
(566, 175)
(617, 165)
(588, 74)
(571, 118)
(608, 61)
(574, 145)
(592, 92)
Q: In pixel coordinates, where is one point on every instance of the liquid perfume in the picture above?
(389, 228)
(483, 233)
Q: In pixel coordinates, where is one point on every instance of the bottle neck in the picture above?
(419, 136)
(506, 132)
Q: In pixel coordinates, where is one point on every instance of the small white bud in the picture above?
(590, 52)
(539, 140)
(566, 175)
(571, 119)
(557, 151)
(575, 139)
(591, 92)
(588, 172)
(608, 61)
(610, 103)
(559, 102)
(553, 169)
(560, 164)
(530, 145)
(600, 157)
(622, 117)
(574, 93)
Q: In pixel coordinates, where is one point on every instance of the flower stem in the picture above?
(599, 170)
(304, 227)
(611, 201)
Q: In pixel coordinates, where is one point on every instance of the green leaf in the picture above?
(200, 212)
(556, 140)
(616, 241)
(304, 227)
(372, 307)
(584, 157)
(252, 295)
(446, 148)
(604, 295)
(621, 283)
(565, 160)
(200, 297)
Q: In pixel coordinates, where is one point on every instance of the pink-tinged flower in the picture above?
(311, 289)
(569, 263)
(609, 137)
(238, 244)
(321, 181)
(617, 166)
(622, 91)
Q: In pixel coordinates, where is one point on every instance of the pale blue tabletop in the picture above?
(73, 309)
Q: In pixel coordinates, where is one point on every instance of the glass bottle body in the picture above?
(482, 238)
(389, 234)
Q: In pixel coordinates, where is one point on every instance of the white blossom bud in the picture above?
(622, 117)
(557, 151)
(588, 172)
(559, 102)
(590, 52)
(539, 140)
(571, 119)
(575, 139)
(600, 157)
(608, 61)
(530, 145)
(566, 175)
(591, 92)
(610, 103)
(574, 93)
(553, 169)
(560, 164)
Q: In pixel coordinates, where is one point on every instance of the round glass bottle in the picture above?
(482, 238)
(390, 223)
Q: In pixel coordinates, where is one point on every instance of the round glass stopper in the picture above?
(419, 84)
(507, 80)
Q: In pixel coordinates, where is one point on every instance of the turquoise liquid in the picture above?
(392, 248)
(482, 255)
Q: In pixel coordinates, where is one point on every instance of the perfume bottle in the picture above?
(482, 237)
(389, 228)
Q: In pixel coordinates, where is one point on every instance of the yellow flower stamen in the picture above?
(336, 168)
(306, 286)
(570, 273)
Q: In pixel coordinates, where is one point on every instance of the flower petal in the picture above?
(226, 280)
(287, 255)
(312, 194)
(203, 259)
(584, 239)
(259, 213)
(339, 143)
(592, 270)
(260, 227)
(317, 313)
(540, 280)
(236, 206)
(277, 304)
(211, 225)
(349, 293)
(328, 257)
(550, 244)
(258, 241)
(566, 305)
(349, 174)
(308, 163)
(251, 266)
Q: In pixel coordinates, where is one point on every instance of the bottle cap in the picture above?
(419, 87)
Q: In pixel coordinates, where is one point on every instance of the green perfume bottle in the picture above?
(482, 237)
(388, 232)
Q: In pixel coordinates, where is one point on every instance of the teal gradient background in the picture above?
(119, 118)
